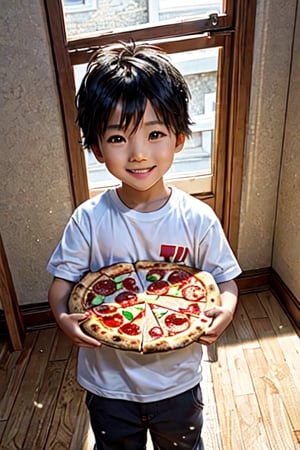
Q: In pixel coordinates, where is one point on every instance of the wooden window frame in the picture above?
(234, 33)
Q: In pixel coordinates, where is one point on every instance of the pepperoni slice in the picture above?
(193, 292)
(155, 274)
(113, 321)
(155, 332)
(159, 287)
(104, 310)
(126, 299)
(130, 284)
(105, 287)
(177, 322)
(178, 275)
(193, 308)
(132, 329)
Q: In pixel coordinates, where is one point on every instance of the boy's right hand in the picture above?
(59, 293)
(70, 325)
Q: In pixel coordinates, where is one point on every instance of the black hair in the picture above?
(132, 74)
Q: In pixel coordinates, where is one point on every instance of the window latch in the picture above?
(214, 19)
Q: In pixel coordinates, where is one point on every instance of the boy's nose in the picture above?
(138, 153)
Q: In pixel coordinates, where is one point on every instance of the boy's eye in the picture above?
(156, 135)
(115, 139)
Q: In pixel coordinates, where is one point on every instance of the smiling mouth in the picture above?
(141, 171)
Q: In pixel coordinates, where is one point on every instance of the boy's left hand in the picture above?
(221, 318)
(221, 315)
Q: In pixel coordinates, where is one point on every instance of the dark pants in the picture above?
(173, 423)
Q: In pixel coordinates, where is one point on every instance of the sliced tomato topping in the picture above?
(159, 287)
(105, 287)
(193, 292)
(178, 275)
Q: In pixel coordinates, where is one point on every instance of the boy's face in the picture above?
(140, 159)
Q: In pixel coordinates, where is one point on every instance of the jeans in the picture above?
(173, 423)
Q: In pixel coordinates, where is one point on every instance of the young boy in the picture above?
(133, 113)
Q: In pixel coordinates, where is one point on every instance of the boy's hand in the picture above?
(221, 318)
(221, 315)
(59, 293)
(70, 325)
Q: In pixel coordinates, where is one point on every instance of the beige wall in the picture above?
(272, 166)
(35, 199)
(286, 253)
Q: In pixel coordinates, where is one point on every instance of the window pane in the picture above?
(192, 167)
(95, 17)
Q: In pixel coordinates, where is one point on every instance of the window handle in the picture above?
(214, 19)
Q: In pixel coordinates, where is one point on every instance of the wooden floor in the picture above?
(251, 393)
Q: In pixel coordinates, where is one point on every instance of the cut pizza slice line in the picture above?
(153, 336)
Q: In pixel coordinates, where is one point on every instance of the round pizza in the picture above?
(147, 306)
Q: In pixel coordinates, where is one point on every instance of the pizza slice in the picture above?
(118, 283)
(116, 326)
(179, 329)
(158, 277)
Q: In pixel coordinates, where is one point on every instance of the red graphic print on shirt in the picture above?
(173, 253)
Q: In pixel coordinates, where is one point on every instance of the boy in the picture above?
(133, 113)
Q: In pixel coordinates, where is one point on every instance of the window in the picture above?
(211, 43)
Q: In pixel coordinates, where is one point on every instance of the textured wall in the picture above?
(35, 195)
(286, 254)
(263, 152)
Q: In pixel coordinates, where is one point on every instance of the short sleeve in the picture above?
(71, 258)
(216, 255)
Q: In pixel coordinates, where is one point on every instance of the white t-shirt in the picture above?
(103, 231)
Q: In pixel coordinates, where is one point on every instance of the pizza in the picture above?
(146, 307)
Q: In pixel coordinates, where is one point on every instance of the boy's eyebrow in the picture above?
(117, 126)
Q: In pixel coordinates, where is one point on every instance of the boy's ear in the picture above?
(180, 140)
(97, 153)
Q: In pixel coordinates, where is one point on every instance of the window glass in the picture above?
(92, 16)
(192, 166)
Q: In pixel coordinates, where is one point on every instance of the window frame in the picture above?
(235, 33)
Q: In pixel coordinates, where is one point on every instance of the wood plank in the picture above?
(12, 373)
(68, 407)
(275, 418)
(9, 301)
(211, 432)
(240, 378)
(44, 405)
(226, 409)
(253, 432)
(62, 347)
(279, 375)
(288, 340)
(253, 306)
(243, 328)
(17, 425)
